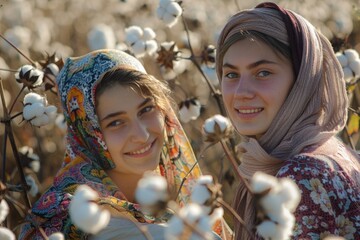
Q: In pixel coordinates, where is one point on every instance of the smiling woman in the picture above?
(284, 91)
(120, 124)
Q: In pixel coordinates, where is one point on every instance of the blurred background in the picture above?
(74, 27)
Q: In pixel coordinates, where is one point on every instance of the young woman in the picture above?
(284, 92)
(120, 124)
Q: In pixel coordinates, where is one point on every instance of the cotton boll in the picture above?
(35, 165)
(40, 121)
(160, 11)
(174, 9)
(85, 193)
(205, 179)
(355, 67)
(195, 216)
(175, 228)
(261, 182)
(348, 74)
(34, 189)
(291, 194)
(169, 19)
(164, 3)
(33, 98)
(189, 110)
(85, 214)
(6, 234)
(219, 120)
(211, 75)
(149, 34)
(133, 34)
(101, 36)
(151, 189)
(351, 54)
(53, 68)
(34, 110)
(216, 215)
(266, 229)
(139, 48)
(151, 47)
(61, 123)
(272, 203)
(4, 210)
(89, 218)
(57, 236)
(342, 59)
(200, 194)
(51, 111)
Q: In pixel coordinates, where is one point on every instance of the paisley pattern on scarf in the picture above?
(87, 157)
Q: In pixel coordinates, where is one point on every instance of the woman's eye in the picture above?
(147, 109)
(231, 75)
(115, 123)
(263, 74)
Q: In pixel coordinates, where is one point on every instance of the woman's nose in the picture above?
(140, 132)
(244, 88)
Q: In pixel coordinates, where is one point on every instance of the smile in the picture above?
(141, 151)
(249, 111)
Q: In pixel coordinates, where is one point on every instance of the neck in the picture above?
(127, 183)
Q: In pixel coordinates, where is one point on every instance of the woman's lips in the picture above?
(248, 112)
(141, 152)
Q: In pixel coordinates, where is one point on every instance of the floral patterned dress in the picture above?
(330, 194)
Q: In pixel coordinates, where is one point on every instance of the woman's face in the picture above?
(132, 127)
(255, 83)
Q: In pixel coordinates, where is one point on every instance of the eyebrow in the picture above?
(252, 65)
(110, 115)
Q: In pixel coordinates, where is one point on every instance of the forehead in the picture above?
(119, 98)
(248, 49)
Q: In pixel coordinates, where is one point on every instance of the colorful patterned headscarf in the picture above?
(87, 156)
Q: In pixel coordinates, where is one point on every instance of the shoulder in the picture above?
(305, 165)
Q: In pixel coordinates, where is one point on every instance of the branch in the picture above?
(238, 218)
(18, 50)
(234, 164)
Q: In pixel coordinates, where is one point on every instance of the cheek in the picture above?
(114, 140)
(157, 123)
(227, 94)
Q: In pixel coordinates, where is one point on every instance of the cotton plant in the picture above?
(152, 193)
(37, 111)
(191, 222)
(101, 36)
(4, 210)
(169, 12)
(86, 213)
(6, 234)
(29, 158)
(60, 122)
(210, 74)
(216, 128)
(20, 36)
(350, 62)
(169, 57)
(57, 236)
(275, 201)
(207, 195)
(34, 188)
(141, 41)
(29, 76)
(189, 109)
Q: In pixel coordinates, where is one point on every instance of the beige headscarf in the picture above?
(314, 111)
